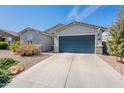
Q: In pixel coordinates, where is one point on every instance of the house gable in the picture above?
(76, 29)
(75, 26)
(29, 32)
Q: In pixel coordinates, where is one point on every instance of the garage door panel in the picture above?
(77, 44)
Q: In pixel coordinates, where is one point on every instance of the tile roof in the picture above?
(55, 27)
(32, 29)
(9, 32)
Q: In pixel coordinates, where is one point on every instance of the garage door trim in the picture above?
(77, 35)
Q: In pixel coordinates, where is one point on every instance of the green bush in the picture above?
(28, 50)
(6, 63)
(5, 77)
(4, 45)
(14, 45)
(115, 44)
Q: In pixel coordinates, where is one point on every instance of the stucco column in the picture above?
(56, 44)
(99, 46)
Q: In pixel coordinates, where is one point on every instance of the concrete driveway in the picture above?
(68, 70)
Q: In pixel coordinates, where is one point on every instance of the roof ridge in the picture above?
(7, 30)
(86, 24)
(36, 30)
(54, 27)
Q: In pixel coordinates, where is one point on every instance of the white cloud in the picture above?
(87, 12)
(74, 15)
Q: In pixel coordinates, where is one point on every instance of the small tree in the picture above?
(116, 42)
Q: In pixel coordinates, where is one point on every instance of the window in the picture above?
(30, 38)
(9, 39)
(3, 39)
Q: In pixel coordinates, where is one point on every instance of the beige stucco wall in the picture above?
(76, 30)
(45, 41)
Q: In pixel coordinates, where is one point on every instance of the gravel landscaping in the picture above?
(111, 60)
(26, 61)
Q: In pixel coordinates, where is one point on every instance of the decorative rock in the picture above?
(16, 69)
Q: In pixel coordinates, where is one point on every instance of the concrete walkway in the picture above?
(69, 70)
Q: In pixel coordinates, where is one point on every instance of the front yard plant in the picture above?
(5, 77)
(28, 50)
(5, 64)
(4, 45)
(14, 45)
(116, 43)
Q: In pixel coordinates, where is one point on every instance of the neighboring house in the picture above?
(8, 35)
(76, 37)
(37, 37)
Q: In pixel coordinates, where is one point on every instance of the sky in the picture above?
(43, 17)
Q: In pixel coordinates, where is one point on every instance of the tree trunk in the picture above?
(122, 59)
(117, 58)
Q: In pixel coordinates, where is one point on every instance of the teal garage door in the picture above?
(77, 44)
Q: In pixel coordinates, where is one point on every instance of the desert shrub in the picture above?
(4, 45)
(4, 77)
(14, 45)
(6, 63)
(28, 50)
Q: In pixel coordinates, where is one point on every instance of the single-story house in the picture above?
(7, 36)
(76, 37)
